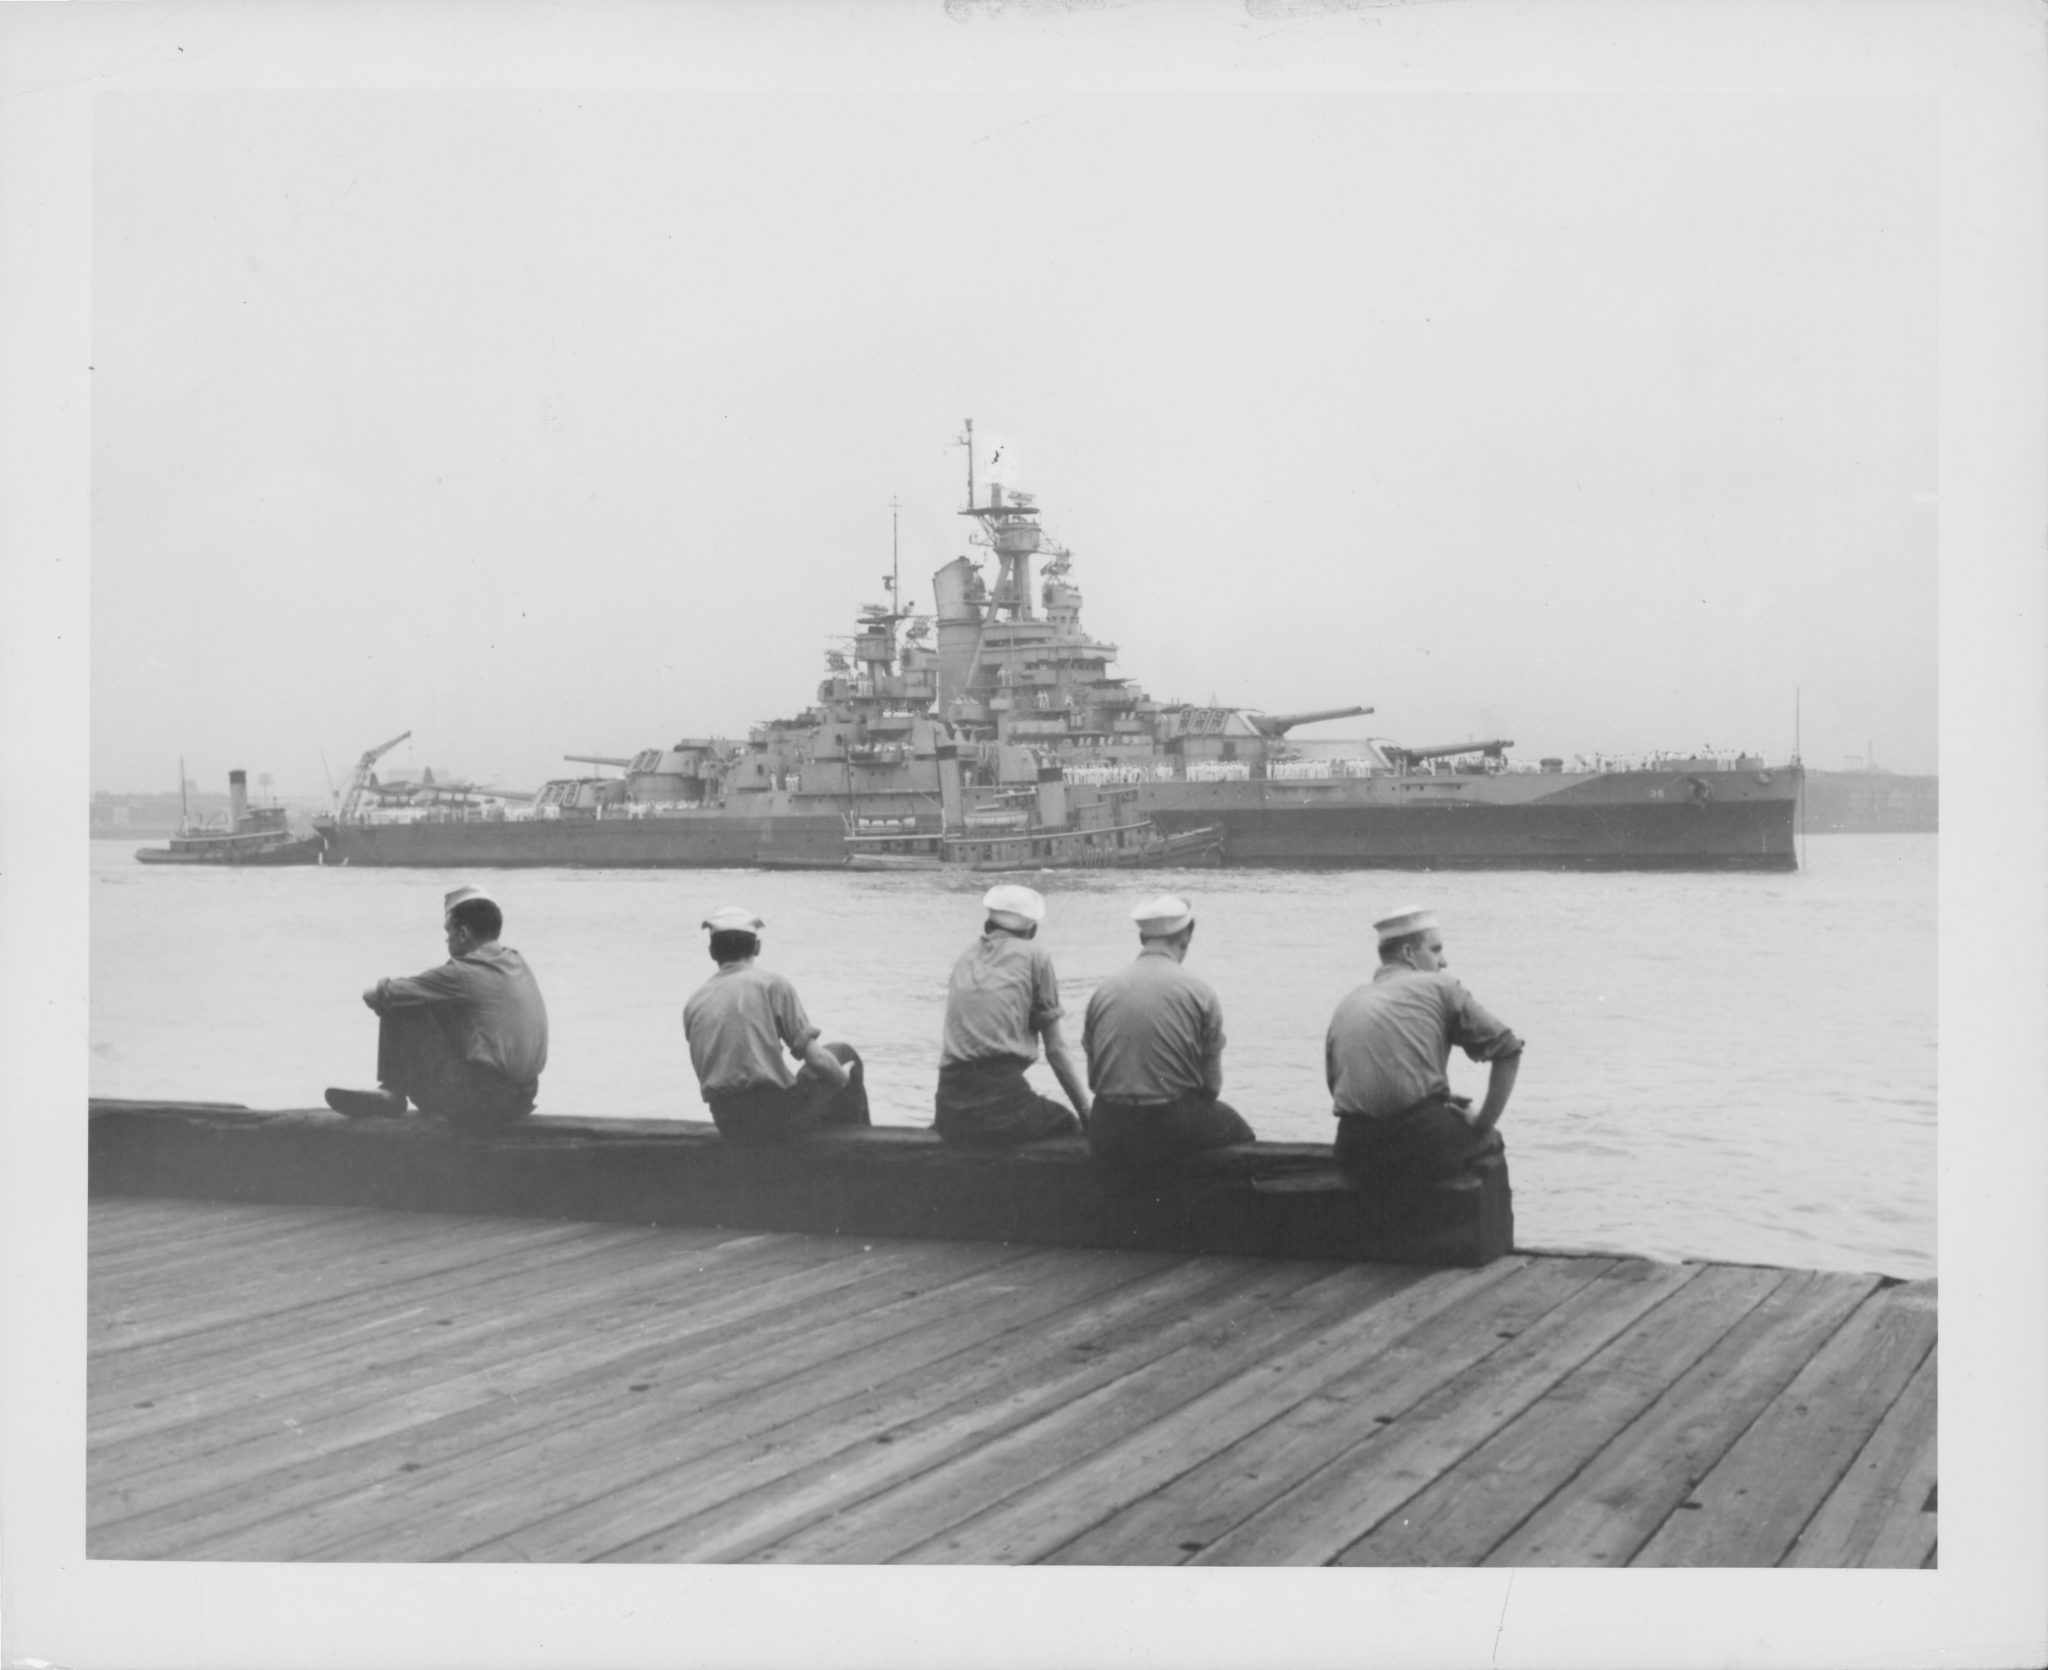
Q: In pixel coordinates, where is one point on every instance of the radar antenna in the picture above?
(967, 440)
(894, 582)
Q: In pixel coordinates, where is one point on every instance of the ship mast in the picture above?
(967, 440)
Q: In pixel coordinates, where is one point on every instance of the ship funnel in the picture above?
(238, 799)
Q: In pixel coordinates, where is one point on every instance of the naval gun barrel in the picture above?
(1279, 724)
(597, 759)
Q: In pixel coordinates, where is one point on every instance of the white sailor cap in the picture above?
(1410, 919)
(1164, 915)
(1013, 906)
(462, 896)
(734, 919)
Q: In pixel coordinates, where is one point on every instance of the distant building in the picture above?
(141, 817)
(1873, 802)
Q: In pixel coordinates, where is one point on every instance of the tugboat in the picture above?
(934, 724)
(1025, 829)
(251, 835)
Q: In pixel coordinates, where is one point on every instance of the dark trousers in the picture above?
(418, 1056)
(770, 1113)
(1431, 1142)
(989, 1104)
(1155, 1133)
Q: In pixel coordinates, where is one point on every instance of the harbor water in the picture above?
(1734, 1067)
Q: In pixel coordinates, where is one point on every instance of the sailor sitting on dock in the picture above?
(1001, 1000)
(1397, 1121)
(467, 1040)
(1154, 1042)
(738, 1023)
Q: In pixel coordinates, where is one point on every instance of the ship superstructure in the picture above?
(924, 725)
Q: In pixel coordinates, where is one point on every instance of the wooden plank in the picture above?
(286, 1355)
(135, 1317)
(1029, 1524)
(1882, 1513)
(502, 1403)
(582, 1460)
(292, 1311)
(118, 1222)
(1626, 1491)
(515, 1403)
(133, 1231)
(194, 1233)
(1311, 1523)
(450, 1472)
(896, 1522)
(881, 1443)
(1756, 1498)
(447, 1347)
(1458, 1519)
(856, 1408)
(598, 1495)
(180, 1260)
(1226, 1484)
(423, 1359)
(1770, 1482)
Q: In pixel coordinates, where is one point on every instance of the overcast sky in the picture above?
(545, 423)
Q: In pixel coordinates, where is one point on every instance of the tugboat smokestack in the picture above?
(238, 798)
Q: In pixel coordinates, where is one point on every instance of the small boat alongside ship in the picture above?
(1031, 830)
(259, 835)
(972, 710)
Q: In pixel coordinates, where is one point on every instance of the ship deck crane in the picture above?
(359, 778)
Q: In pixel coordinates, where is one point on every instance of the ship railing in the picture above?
(1315, 771)
(1704, 759)
(1096, 776)
(1222, 771)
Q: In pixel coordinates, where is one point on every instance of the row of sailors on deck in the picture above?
(468, 1040)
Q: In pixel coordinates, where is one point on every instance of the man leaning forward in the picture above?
(466, 1041)
(738, 1024)
(1389, 1042)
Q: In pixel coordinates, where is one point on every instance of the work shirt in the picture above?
(1153, 1033)
(1389, 1041)
(1001, 991)
(738, 1023)
(490, 994)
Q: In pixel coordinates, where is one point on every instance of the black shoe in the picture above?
(367, 1104)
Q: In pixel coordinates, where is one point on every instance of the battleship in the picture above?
(932, 725)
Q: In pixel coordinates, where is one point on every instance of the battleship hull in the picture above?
(1583, 821)
(1608, 821)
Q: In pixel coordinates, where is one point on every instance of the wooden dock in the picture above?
(292, 1382)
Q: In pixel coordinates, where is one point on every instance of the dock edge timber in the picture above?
(1267, 1199)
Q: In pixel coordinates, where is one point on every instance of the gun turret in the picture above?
(1277, 725)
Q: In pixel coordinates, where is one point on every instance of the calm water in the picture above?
(1731, 1067)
